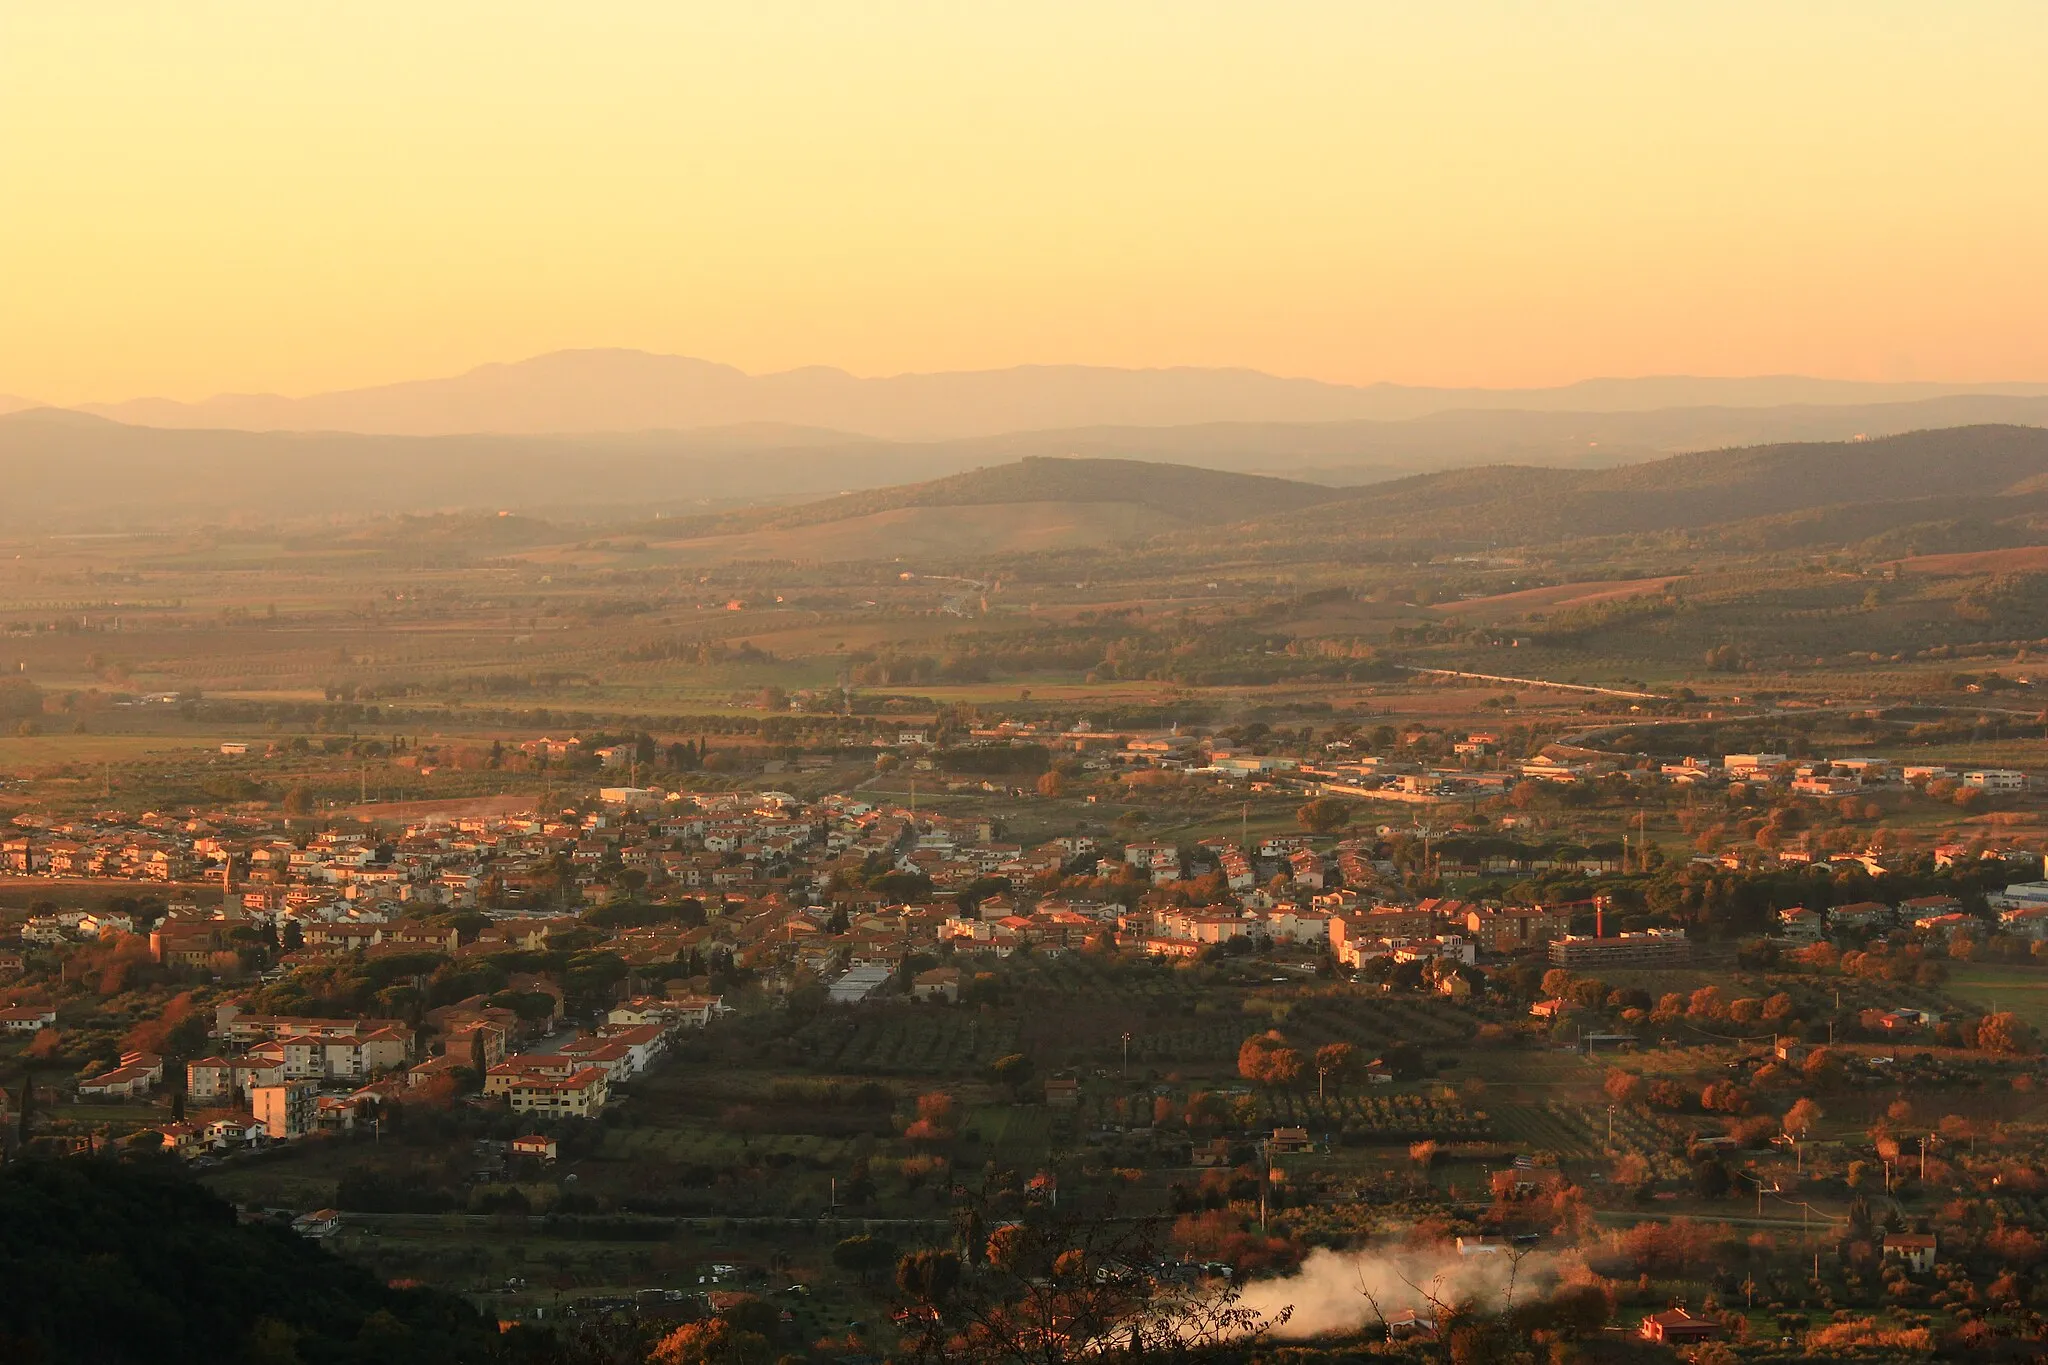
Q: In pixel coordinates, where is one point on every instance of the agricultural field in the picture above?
(1367, 1119)
(2023, 990)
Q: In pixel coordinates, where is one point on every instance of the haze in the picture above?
(244, 197)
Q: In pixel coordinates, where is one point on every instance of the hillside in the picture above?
(1921, 476)
(66, 470)
(1179, 491)
(118, 1261)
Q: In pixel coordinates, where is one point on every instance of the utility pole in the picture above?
(1127, 1055)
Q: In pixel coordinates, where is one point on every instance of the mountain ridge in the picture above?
(616, 389)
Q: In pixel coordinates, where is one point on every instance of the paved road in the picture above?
(1533, 682)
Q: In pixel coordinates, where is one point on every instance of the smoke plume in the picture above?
(1335, 1292)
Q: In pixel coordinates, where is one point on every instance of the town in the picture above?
(560, 993)
(960, 684)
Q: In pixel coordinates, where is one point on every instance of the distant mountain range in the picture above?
(590, 391)
(1982, 486)
(75, 471)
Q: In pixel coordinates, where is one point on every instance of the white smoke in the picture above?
(1336, 1291)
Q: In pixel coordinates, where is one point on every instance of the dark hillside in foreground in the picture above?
(115, 1261)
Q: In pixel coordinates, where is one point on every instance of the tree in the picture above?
(2005, 1032)
(1335, 1060)
(25, 1106)
(937, 1118)
(1624, 1087)
(1013, 1071)
(864, 1255)
(298, 802)
(1265, 1059)
(714, 1341)
(478, 1059)
(1051, 783)
(928, 1277)
(1724, 1097)
(1800, 1118)
(20, 699)
(1324, 815)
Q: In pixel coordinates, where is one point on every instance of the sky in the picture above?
(205, 195)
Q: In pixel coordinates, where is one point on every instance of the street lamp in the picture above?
(1127, 1055)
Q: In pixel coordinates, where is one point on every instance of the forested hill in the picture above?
(1179, 491)
(128, 1260)
(1956, 471)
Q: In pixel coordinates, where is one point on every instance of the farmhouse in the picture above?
(1676, 1327)
(1916, 1249)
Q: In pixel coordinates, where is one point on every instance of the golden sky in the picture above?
(198, 196)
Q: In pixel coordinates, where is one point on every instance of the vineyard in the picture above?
(1364, 1119)
(905, 1042)
(1368, 1023)
(1579, 1132)
(718, 1147)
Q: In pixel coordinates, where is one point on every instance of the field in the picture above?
(1509, 605)
(2022, 990)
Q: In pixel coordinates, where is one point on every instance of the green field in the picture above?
(2022, 990)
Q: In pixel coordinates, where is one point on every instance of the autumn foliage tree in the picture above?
(2005, 1032)
(1334, 1062)
(713, 1341)
(1266, 1059)
(938, 1118)
(1625, 1087)
(1801, 1117)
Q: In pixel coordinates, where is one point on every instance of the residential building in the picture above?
(1650, 948)
(286, 1110)
(1676, 1327)
(28, 1018)
(1916, 1249)
(579, 1095)
(940, 983)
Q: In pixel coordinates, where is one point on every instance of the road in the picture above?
(1533, 682)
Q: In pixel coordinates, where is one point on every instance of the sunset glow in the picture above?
(237, 196)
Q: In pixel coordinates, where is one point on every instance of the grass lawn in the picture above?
(2022, 990)
(40, 751)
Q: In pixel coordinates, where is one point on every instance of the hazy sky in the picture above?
(200, 196)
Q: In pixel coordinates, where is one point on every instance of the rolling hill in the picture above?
(1864, 487)
(66, 470)
(1032, 505)
(1184, 493)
